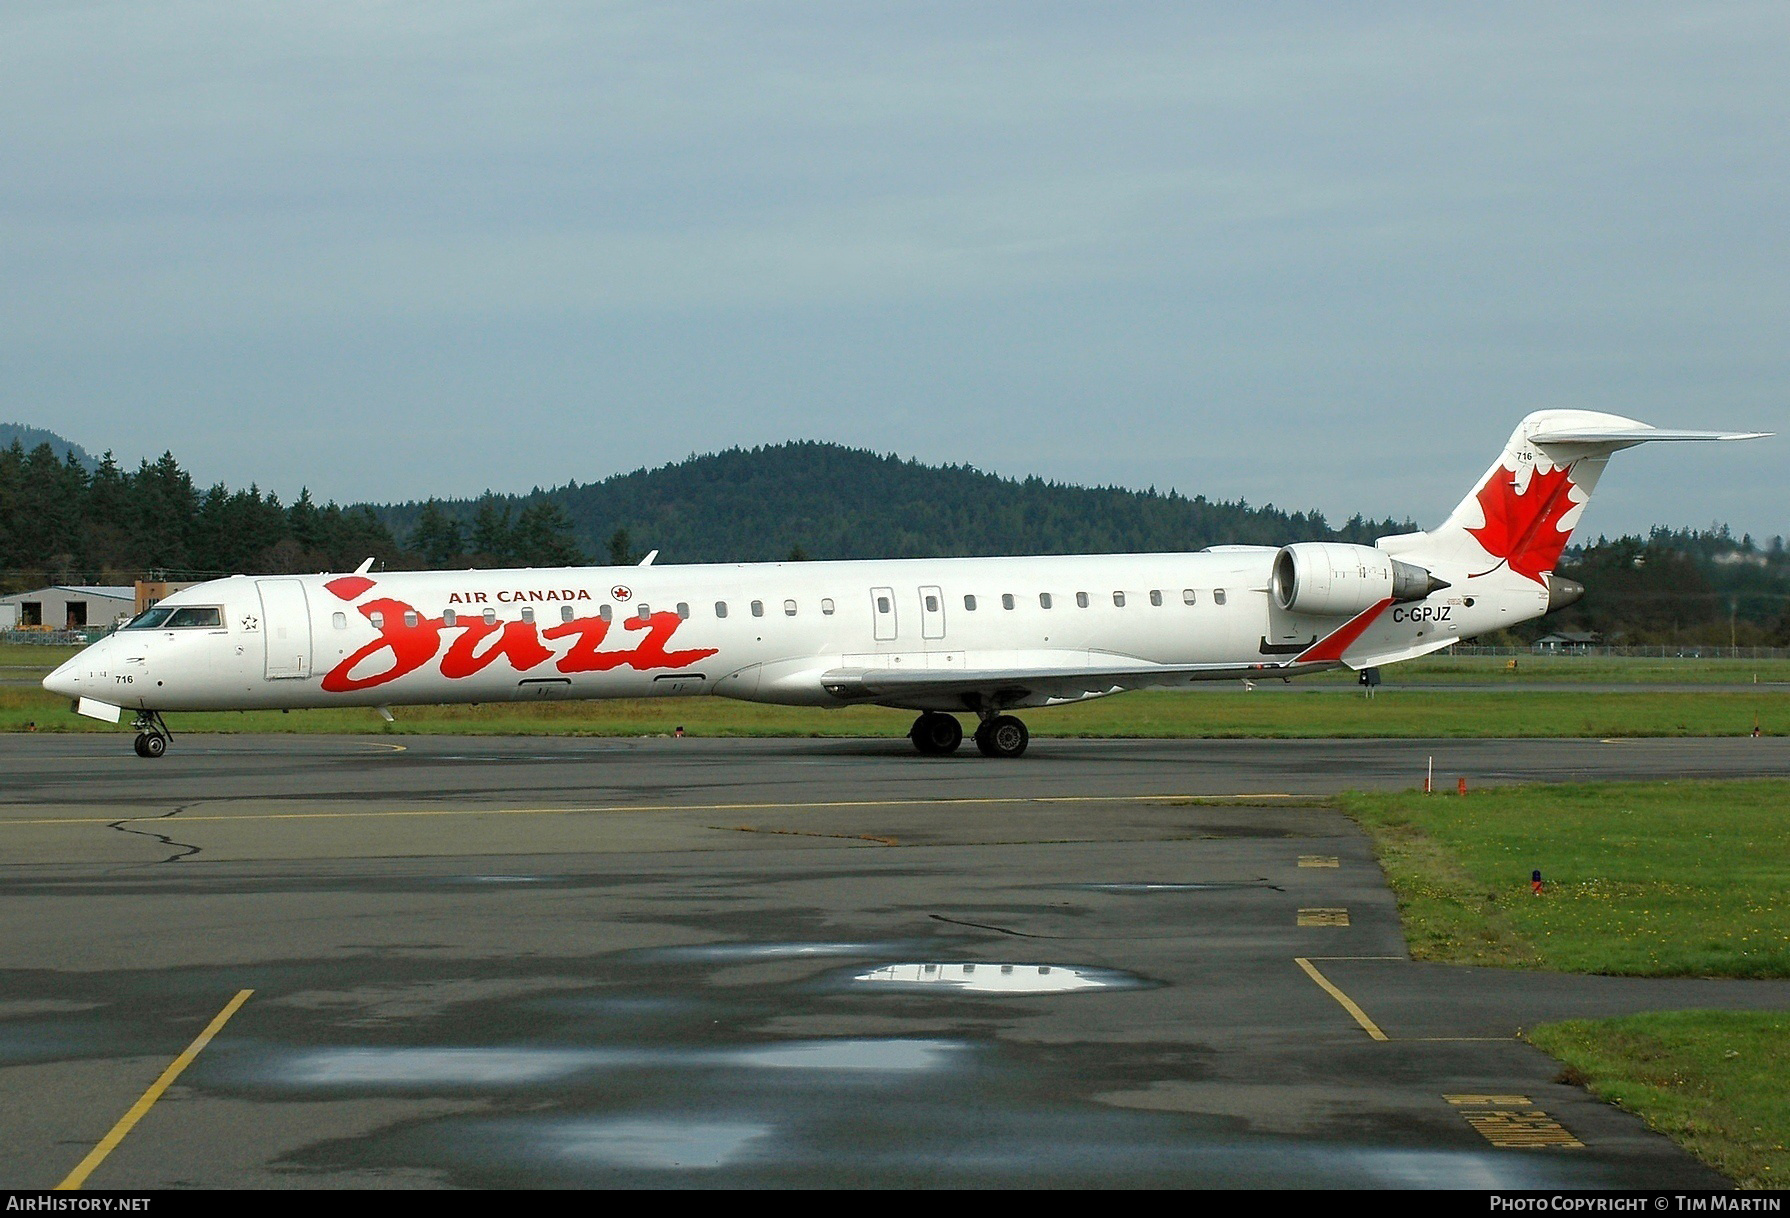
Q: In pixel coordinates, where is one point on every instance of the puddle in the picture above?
(734, 952)
(995, 978)
(848, 1055)
(445, 1067)
(619, 1006)
(35, 1041)
(494, 879)
(650, 1143)
(922, 1143)
(526, 1065)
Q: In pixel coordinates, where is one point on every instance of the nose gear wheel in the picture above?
(153, 735)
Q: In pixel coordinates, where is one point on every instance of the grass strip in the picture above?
(1640, 879)
(1712, 1081)
(1232, 713)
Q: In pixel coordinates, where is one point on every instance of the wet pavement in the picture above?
(775, 963)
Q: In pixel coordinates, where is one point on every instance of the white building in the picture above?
(69, 608)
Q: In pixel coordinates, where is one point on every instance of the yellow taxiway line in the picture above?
(1348, 1004)
(129, 1120)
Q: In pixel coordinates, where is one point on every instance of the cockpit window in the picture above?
(149, 619)
(195, 615)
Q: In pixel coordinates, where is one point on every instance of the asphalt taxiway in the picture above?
(512, 962)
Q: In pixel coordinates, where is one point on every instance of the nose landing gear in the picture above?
(152, 734)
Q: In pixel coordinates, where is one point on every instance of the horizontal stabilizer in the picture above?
(1623, 437)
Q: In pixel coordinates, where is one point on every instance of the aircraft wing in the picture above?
(1009, 686)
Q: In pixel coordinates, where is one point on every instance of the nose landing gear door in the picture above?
(286, 625)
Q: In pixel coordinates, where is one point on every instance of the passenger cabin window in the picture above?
(1187, 596)
(339, 620)
(1044, 600)
(528, 613)
(644, 611)
(720, 608)
(448, 617)
(605, 613)
(1218, 596)
(1006, 600)
(789, 608)
(969, 602)
(1156, 597)
(490, 616)
(757, 608)
(683, 610)
(932, 603)
(826, 605)
(565, 613)
(378, 619)
(1081, 600)
(195, 615)
(410, 618)
(1118, 600)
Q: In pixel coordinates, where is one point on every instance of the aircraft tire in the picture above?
(151, 746)
(936, 734)
(1002, 736)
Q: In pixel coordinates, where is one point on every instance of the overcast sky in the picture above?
(1320, 255)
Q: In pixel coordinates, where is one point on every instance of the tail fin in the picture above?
(1521, 514)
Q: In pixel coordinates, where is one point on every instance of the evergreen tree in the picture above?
(493, 542)
(621, 549)
(440, 541)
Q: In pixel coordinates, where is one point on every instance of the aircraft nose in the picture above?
(66, 680)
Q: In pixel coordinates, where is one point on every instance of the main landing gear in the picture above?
(152, 734)
(935, 734)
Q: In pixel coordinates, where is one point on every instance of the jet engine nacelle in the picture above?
(1331, 579)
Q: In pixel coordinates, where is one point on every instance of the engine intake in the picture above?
(1331, 579)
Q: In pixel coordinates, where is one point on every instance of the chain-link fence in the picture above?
(1653, 651)
(54, 638)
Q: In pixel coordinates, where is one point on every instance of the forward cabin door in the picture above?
(932, 613)
(882, 613)
(286, 625)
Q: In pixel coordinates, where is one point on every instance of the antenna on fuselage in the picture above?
(364, 567)
(648, 560)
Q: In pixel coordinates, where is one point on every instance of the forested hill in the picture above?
(828, 501)
(29, 438)
(61, 522)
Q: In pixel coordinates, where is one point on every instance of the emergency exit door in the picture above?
(932, 613)
(286, 626)
(882, 612)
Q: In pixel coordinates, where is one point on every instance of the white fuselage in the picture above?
(761, 632)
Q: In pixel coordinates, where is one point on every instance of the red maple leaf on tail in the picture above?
(1522, 528)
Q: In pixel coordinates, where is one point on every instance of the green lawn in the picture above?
(1641, 879)
(1713, 1081)
(1230, 712)
(1648, 879)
